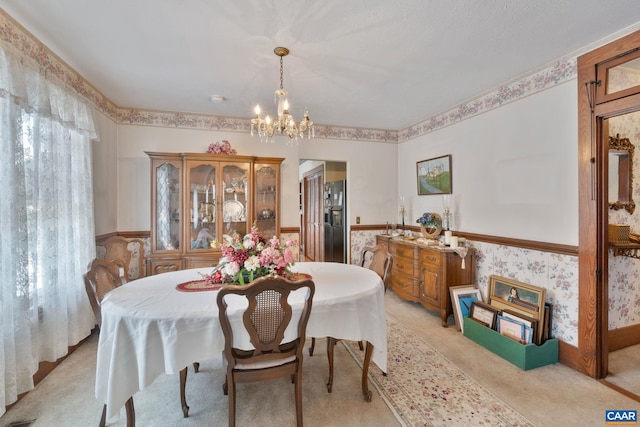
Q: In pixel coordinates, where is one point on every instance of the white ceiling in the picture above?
(357, 63)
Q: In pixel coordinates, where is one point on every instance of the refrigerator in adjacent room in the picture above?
(335, 211)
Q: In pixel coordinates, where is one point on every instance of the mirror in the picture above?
(621, 174)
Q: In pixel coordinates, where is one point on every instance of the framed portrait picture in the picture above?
(520, 298)
(434, 176)
(461, 299)
(484, 313)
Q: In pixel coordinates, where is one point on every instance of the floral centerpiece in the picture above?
(430, 224)
(223, 147)
(247, 258)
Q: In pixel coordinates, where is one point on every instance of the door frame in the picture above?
(593, 249)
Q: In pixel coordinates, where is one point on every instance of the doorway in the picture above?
(323, 214)
(602, 107)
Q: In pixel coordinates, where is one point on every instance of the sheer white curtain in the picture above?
(46, 223)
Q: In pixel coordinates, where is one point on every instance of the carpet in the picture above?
(423, 388)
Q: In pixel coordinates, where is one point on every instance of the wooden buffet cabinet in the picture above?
(198, 198)
(423, 274)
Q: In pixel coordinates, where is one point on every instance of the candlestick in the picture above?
(195, 206)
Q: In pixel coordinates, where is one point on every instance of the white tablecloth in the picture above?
(150, 328)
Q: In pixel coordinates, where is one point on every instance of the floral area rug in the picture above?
(423, 388)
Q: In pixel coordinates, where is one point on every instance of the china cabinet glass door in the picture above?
(235, 198)
(266, 205)
(167, 200)
(202, 230)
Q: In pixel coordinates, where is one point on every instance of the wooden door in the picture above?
(313, 214)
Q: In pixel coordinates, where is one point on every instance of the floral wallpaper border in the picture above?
(18, 39)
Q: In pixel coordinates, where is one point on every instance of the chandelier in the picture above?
(284, 124)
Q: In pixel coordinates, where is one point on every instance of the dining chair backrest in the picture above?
(378, 259)
(266, 318)
(130, 251)
(102, 277)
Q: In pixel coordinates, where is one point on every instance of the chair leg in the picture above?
(183, 398)
(131, 413)
(196, 366)
(365, 371)
(360, 345)
(331, 343)
(232, 404)
(313, 345)
(103, 418)
(298, 386)
(129, 410)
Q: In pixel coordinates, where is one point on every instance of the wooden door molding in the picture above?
(593, 205)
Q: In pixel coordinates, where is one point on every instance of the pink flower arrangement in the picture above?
(223, 147)
(252, 256)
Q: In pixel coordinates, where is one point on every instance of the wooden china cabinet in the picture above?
(197, 199)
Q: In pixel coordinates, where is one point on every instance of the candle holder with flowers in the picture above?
(430, 225)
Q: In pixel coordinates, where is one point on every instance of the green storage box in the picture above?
(525, 357)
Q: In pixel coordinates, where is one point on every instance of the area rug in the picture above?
(423, 388)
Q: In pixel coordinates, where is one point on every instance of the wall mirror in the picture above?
(621, 174)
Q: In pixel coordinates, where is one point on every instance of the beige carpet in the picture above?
(548, 396)
(624, 369)
(424, 388)
(66, 397)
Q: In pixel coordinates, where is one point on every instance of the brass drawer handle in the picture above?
(431, 258)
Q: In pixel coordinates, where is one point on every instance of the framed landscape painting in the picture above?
(434, 176)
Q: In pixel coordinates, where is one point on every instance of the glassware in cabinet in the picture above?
(236, 198)
(202, 206)
(267, 198)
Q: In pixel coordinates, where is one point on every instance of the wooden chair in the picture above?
(104, 276)
(265, 321)
(378, 259)
(126, 249)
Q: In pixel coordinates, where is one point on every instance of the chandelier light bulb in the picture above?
(257, 110)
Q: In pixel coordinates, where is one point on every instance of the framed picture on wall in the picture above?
(434, 176)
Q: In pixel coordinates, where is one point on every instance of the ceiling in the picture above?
(378, 64)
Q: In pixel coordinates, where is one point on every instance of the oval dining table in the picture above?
(150, 327)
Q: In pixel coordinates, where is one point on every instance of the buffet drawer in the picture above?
(405, 286)
(403, 266)
(402, 251)
(431, 259)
